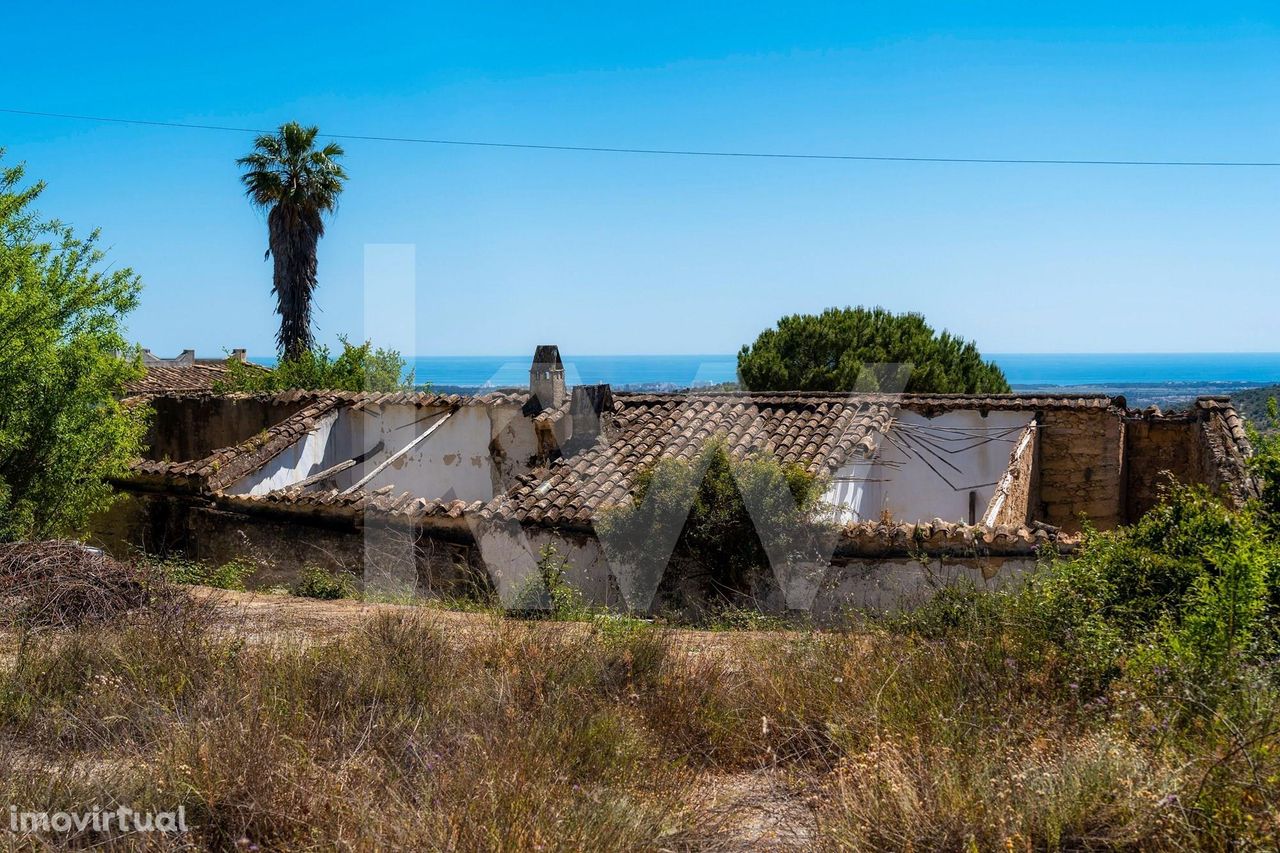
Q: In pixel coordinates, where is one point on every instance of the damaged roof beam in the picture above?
(367, 478)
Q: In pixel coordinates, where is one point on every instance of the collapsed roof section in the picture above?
(633, 431)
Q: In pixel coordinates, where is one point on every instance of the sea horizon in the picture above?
(1023, 370)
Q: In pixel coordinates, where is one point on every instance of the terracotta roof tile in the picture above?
(161, 379)
(817, 431)
(404, 507)
(873, 538)
(225, 465)
(1231, 419)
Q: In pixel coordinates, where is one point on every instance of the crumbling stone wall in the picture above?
(1080, 466)
(141, 522)
(442, 560)
(189, 427)
(1156, 446)
(1224, 453)
(1010, 505)
(1204, 445)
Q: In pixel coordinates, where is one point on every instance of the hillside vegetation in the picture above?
(1253, 402)
(1127, 697)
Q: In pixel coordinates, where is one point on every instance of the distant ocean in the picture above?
(1030, 370)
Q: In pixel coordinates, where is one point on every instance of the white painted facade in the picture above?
(926, 468)
(459, 460)
(294, 464)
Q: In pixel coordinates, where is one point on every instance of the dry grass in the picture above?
(520, 737)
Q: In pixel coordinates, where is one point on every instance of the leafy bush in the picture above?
(356, 368)
(719, 535)
(1265, 463)
(63, 430)
(229, 575)
(1187, 593)
(316, 582)
(846, 349)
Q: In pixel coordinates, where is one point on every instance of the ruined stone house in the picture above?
(925, 487)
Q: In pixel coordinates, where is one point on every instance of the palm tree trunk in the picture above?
(293, 240)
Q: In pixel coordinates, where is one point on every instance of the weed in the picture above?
(316, 582)
(230, 575)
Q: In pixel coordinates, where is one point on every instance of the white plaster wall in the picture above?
(511, 553)
(358, 432)
(294, 464)
(851, 491)
(903, 583)
(518, 441)
(585, 565)
(909, 491)
(453, 462)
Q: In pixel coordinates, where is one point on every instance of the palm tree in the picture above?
(297, 185)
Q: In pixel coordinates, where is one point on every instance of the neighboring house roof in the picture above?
(359, 399)
(819, 432)
(163, 379)
(183, 373)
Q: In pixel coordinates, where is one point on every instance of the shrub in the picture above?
(717, 509)
(1265, 463)
(63, 430)
(1186, 593)
(847, 349)
(316, 582)
(229, 575)
(550, 592)
(356, 368)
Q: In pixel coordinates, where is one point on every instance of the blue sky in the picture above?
(607, 253)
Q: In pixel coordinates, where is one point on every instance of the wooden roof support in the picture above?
(367, 478)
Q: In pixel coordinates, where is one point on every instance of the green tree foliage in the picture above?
(63, 430)
(865, 349)
(719, 535)
(1265, 463)
(356, 368)
(297, 184)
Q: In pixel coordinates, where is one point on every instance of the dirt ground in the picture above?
(760, 810)
(272, 616)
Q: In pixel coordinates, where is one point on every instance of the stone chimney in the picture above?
(546, 377)
(240, 354)
(592, 411)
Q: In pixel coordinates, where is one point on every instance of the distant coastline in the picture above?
(1142, 378)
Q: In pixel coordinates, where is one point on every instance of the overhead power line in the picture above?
(670, 152)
